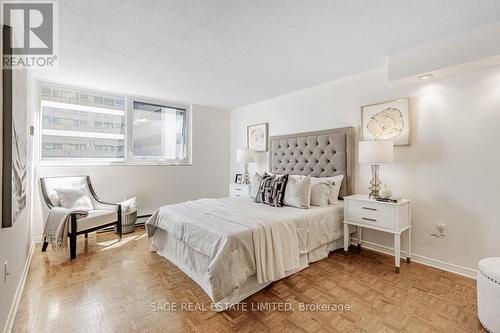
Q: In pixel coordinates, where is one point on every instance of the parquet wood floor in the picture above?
(122, 287)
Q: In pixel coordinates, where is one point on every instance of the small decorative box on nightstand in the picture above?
(394, 218)
(239, 190)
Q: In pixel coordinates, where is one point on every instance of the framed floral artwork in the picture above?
(390, 120)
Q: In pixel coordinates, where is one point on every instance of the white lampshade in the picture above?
(375, 152)
(245, 155)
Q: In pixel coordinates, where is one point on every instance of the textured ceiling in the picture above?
(227, 54)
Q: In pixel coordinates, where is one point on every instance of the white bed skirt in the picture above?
(195, 265)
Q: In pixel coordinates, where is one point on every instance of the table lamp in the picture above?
(245, 156)
(375, 153)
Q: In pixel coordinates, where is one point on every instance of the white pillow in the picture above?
(254, 184)
(320, 192)
(335, 189)
(298, 191)
(129, 205)
(75, 198)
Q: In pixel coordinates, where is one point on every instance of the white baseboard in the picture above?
(460, 270)
(20, 287)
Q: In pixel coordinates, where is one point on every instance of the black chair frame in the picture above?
(74, 233)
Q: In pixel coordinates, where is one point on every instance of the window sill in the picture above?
(47, 164)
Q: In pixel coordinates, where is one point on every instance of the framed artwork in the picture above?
(390, 120)
(257, 137)
(14, 141)
(238, 178)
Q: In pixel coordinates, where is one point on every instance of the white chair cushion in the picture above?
(95, 218)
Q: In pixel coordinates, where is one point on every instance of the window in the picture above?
(159, 132)
(72, 124)
(86, 125)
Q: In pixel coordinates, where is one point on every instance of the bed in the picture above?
(233, 247)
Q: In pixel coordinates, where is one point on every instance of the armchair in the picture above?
(104, 214)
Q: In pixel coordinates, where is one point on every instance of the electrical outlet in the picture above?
(5, 271)
(441, 228)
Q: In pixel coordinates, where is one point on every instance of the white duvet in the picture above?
(242, 238)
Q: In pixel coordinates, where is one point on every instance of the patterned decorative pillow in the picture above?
(272, 190)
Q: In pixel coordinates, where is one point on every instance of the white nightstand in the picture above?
(239, 190)
(394, 218)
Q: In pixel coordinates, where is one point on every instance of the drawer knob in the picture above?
(369, 208)
(368, 219)
(238, 189)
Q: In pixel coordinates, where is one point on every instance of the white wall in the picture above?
(451, 55)
(155, 186)
(451, 170)
(15, 242)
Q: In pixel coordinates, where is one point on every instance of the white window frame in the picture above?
(128, 158)
(130, 132)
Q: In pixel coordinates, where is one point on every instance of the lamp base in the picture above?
(375, 182)
(246, 175)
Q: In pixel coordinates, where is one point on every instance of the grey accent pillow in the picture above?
(320, 192)
(272, 190)
(298, 191)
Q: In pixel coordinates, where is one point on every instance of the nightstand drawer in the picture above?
(371, 213)
(239, 190)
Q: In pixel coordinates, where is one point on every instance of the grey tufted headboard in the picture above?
(319, 154)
